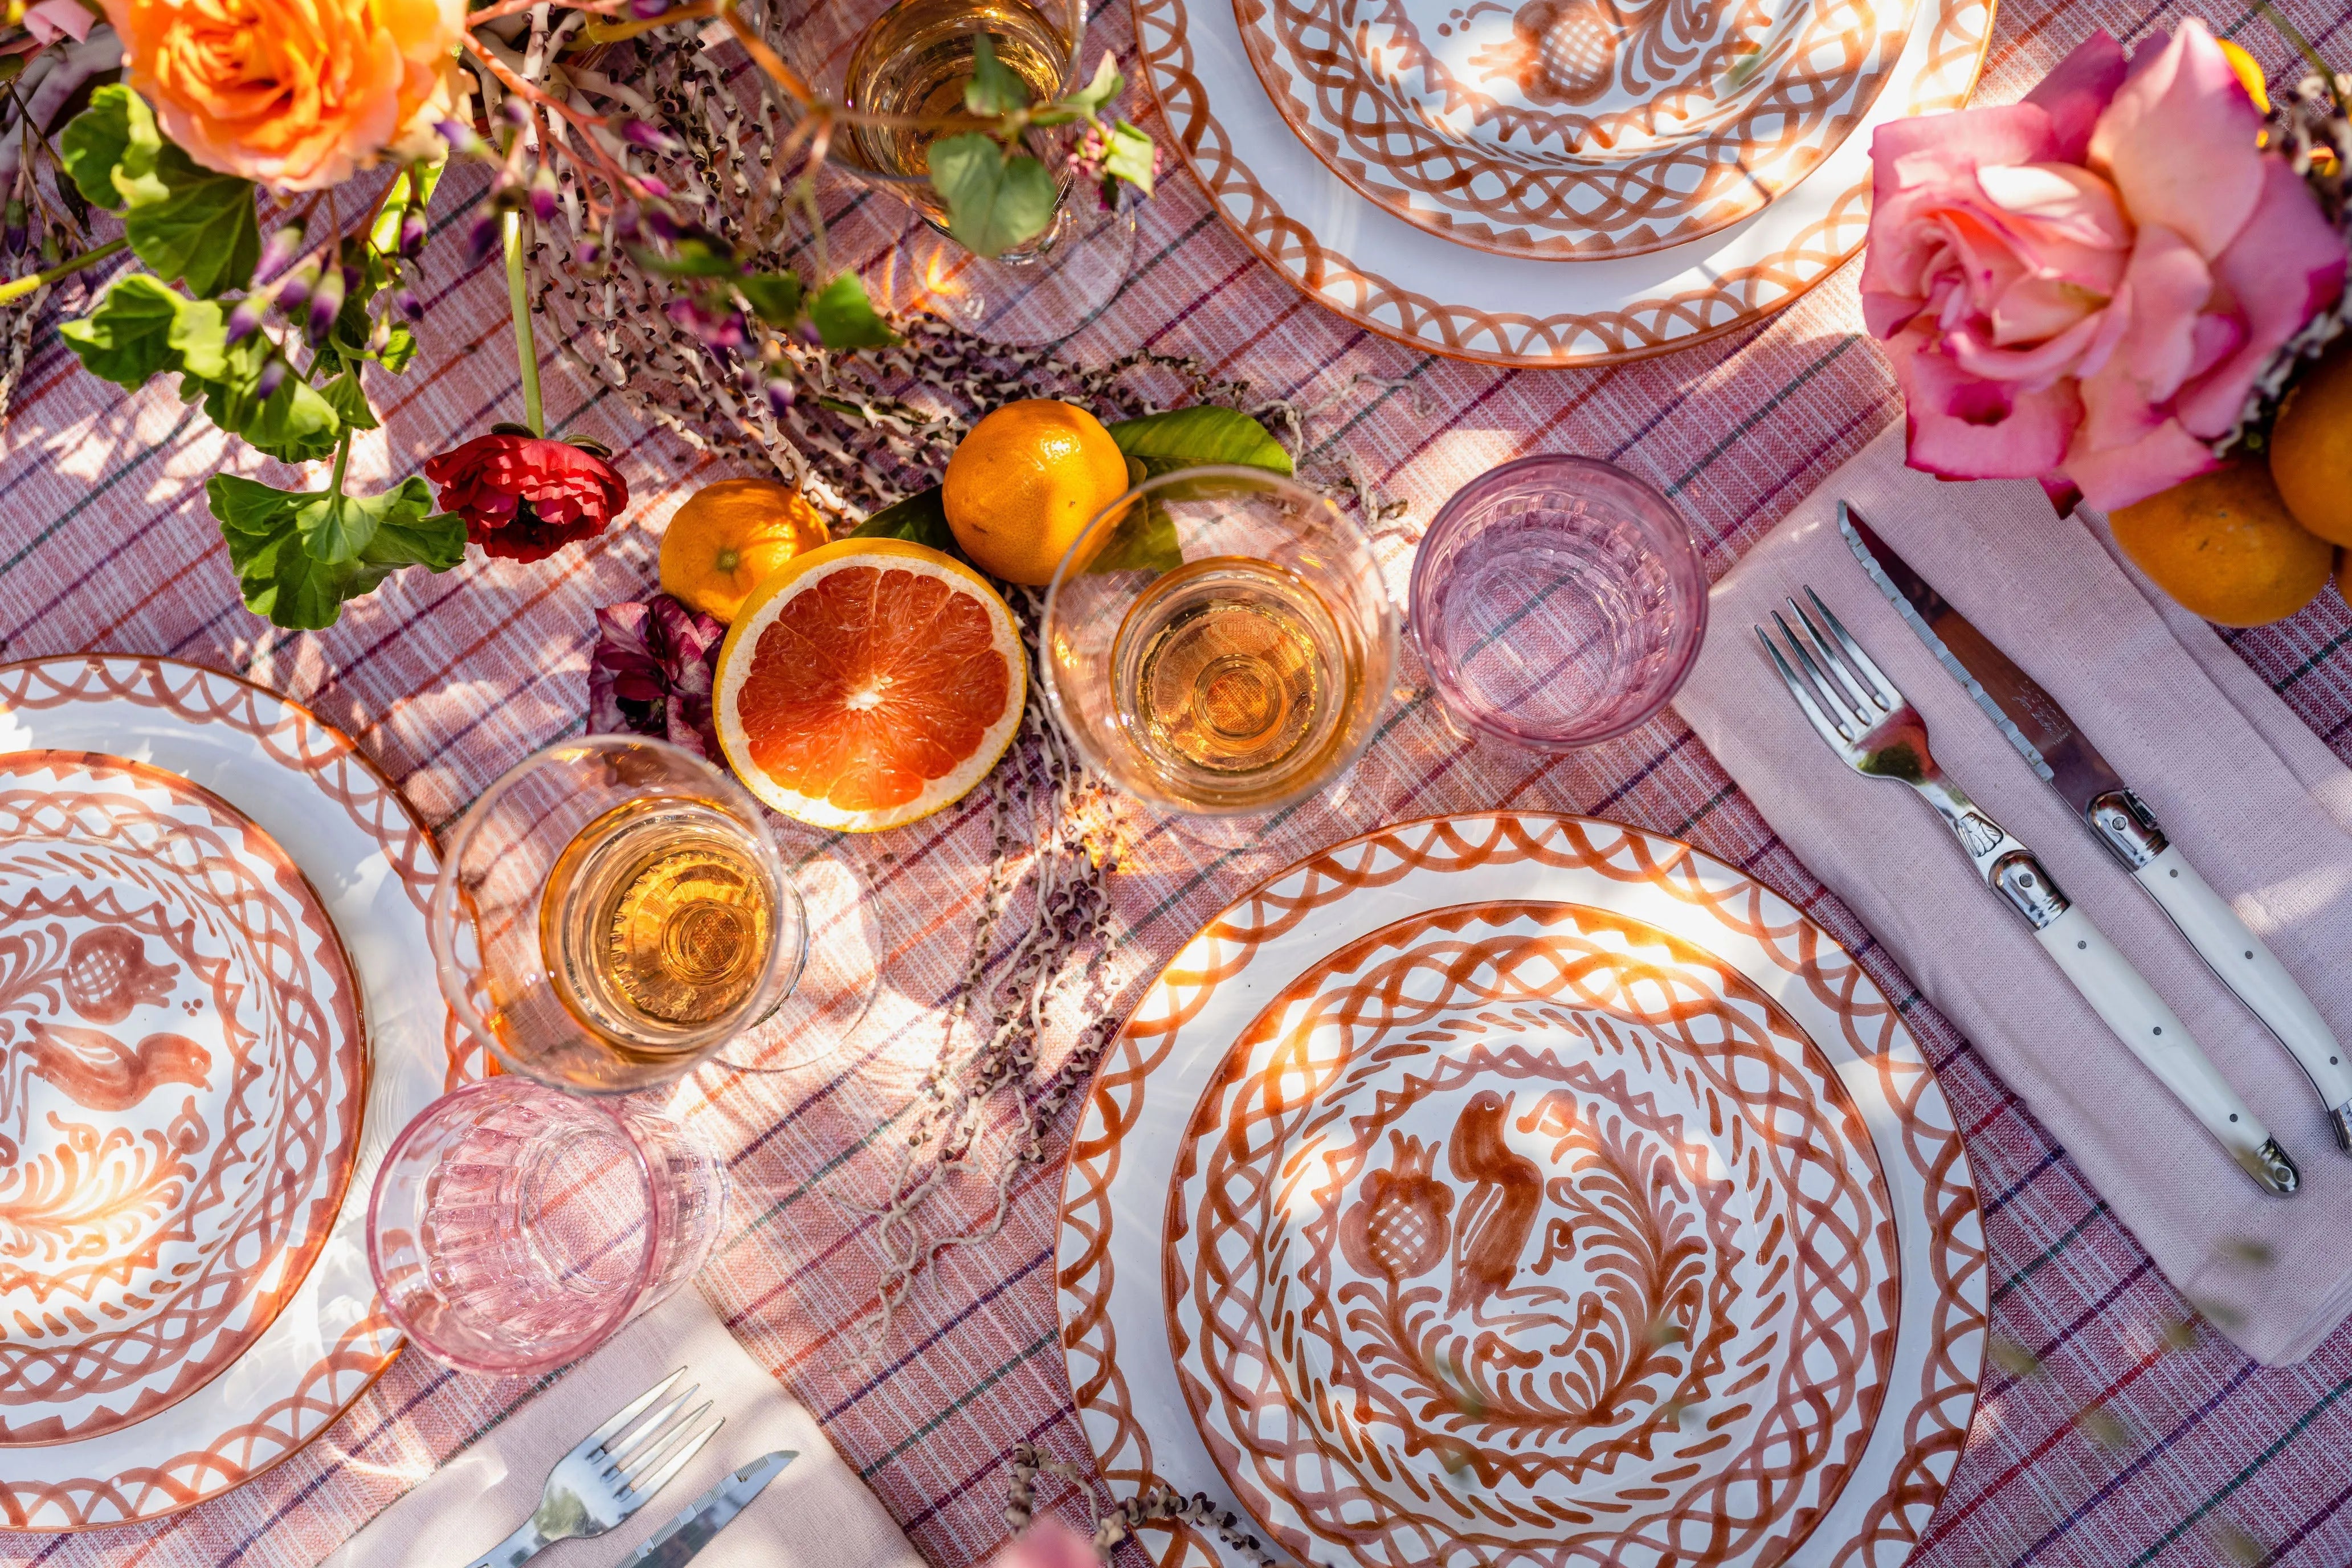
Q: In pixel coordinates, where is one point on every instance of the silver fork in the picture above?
(610, 1476)
(1864, 719)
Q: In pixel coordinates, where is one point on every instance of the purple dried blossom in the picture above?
(544, 195)
(272, 376)
(646, 10)
(654, 185)
(661, 225)
(413, 232)
(482, 237)
(278, 252)
(517, 112)
(245, 319)
(717, 328)
(588, 254)
(641, 133)
(780, 394)
(295, 292)
(460, 136)
(17, 233)
(405, 301)
(652, 671)
(327, 301)
(624, 222)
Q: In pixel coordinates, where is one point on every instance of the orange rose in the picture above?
(297, 94)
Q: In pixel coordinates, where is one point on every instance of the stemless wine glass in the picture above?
(613, 911)
(912, 59)
(1557, 602)
(513, 1228)
(1219, 642)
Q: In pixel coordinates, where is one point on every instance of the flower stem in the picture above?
(17, 288)
(526, 350)
(342, 462)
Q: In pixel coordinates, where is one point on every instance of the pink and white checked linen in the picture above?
(2096, 1442)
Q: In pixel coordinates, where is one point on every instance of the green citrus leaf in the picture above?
(269, 533)
(994, 203)
(1193, 437)
(845, 317)
(922, 516)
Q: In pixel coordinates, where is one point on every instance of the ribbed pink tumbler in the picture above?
(514, 1228)
(1558, 601)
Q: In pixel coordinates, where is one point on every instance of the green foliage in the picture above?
(1196, 437)
(774, 296)
(997, 201)
(845, 317)
(300, 555)
(995, 88)
(188, 222)
(1130, 156)
(1099, 93)
(128, 338)
(921, 518)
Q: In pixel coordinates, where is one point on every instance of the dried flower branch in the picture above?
(1158, 1503)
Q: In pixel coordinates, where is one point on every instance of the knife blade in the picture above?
(2033, 722)
(677, 1542)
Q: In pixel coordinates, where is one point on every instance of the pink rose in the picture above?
(1048, 1543)
(2082, 288)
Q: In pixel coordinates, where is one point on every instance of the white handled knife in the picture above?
(2054, 748)
(677, 1542)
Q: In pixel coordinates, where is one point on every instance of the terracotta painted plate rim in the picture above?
(339, 1181)
(1636, 307)
(1466, 225)
(1951, 1364)
(415, 1051)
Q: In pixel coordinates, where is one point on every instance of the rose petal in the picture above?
(1048, 1543)
(2036, 366)
(2168, 284)
(2076, 93)
(2180, 142)
(2284, 268)
(2158, 459)
(1963, 426)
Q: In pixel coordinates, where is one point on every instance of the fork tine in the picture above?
(652, 1428)
(1838, 702)
(1824, 726)
(1850, 684)
(638, 1476)
(661, 1478)
(1890, 696)
(627, 1413)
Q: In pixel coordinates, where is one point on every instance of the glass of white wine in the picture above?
(613, 911)
(1219, 643)
(911, 61)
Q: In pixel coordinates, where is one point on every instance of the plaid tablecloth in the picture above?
(2099, 1440)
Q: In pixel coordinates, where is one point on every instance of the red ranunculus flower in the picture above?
(524, 497)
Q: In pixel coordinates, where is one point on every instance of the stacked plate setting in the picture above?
(1515, 1190)
(211, 919)
(1571, 182)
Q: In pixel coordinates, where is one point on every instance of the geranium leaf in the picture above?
(995, 88)
(284, 580)
(845, 317)
(1203, 434)
(922, 516)
(201, 231)
(1131, 157)
(348, 398)
(93, 143)
(127, 339)
(994, 203)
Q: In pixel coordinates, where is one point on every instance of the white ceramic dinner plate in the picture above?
(1524, 1191)
(181, 1075)
(1566, 129)
(1392, 278)
(372, 864)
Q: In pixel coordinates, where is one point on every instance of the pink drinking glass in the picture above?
(1557, 602)
(514, 1228)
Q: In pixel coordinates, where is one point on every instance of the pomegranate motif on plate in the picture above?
(1520, 1231)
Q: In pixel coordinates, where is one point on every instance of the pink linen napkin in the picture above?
(816, 1514)
(2252, 797)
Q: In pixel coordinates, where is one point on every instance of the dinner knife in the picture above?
(706, 1516)
(2050, 743)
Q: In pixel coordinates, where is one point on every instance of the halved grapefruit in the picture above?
(868, 683)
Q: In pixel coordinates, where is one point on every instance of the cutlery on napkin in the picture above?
(2262, 812)
(816, 1513)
